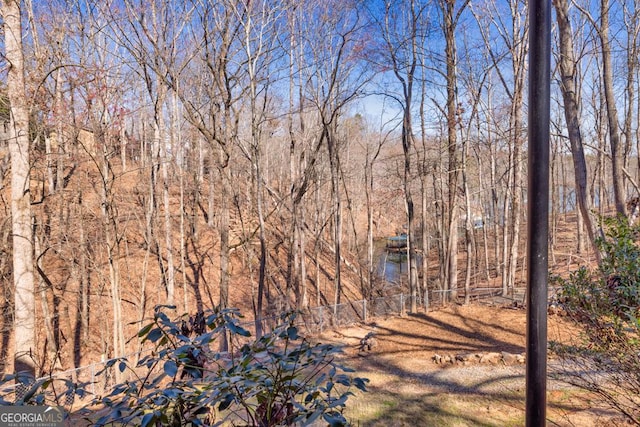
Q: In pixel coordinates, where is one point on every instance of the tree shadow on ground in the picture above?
(406, 389)
(422, 328)
(443, 397)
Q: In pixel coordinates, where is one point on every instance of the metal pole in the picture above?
(538, 210)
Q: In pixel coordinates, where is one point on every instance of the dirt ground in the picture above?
(408, 388)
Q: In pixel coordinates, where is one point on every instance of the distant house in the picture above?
(85, 140)
(477, 220)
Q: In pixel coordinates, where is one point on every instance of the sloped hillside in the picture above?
(103, 237)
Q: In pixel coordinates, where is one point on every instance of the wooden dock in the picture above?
(396, 243)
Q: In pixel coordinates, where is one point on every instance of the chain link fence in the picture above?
(98, 378)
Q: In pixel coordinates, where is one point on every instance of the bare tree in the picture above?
(513, 35)
(296, 262)
(451, 17)
(401, 27)
(23, 278)
(212, 106)
(259, 22)
(153, 41)
(617, 169)
(372, 153)
(632, 26)
(335, 80)
(473, 74)
(570, 96)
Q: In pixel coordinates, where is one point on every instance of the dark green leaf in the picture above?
(335, 419)
(238, 330)
(146, 420)
(154, 335)
(292, 333)
(170, 368)
(228, 400)
(361, 383)
(145, 330)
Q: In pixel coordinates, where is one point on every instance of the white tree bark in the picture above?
(24, 320)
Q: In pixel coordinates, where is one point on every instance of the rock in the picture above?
(521, 358)
(508, 358)
(557, 309)
(437, 359)
(368, 342)
(465, 357)
(517, 305)
(492, 358)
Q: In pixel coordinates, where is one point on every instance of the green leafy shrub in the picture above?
(279, 379)
(606, 302)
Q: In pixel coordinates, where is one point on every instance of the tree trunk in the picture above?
(302, 260)
(23, 280)
(407, 142)
(84, 278)
(52, 333)
(516, 198)
(450, 16)
(368, 190)
(225, 192)
(468, 226)
(519, 65)
(112, 244)
(423, 172)
(612, 112)
(568, 87)
(168, 227)
(295, 230)
(334, 162)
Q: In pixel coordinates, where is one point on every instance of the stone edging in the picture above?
(490, 358)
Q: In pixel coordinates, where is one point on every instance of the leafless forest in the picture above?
(242, 153)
